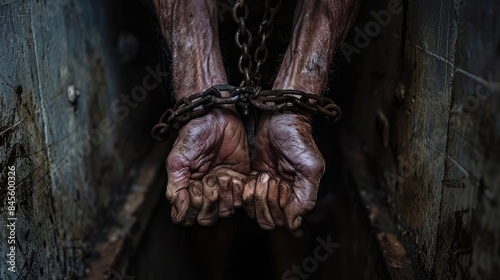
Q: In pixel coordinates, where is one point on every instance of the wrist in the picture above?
(287, 118)
(296, 75)
(187, 88)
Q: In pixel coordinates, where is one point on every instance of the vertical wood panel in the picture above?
(433, 80)
(71, 181)
(469, 223)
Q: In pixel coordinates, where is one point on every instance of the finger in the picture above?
(225, 196)
(285, 190)
(180, 203)
(262, 211)
(178, 181)
(196, 200)
(237, 186)
(210, 207)
(230, 172)
(237, 192)
(248, 196)
(196, 194)
(191, 215)
(273, 200)
(302, 201)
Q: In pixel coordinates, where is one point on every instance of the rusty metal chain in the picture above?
(248, 97)
(265, 30)
(244, 98)
(244, 40)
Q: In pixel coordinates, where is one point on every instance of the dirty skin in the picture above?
(209, 168)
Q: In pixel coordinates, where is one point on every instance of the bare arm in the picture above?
(288, 164)
(197, 188)
(319, 27)
(190, 29)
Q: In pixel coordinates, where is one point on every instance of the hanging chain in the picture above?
(244, 98)
(244, 40)
(265, 31)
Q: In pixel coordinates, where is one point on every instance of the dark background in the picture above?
(412, 185)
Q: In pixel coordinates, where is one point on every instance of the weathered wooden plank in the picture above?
(469, 228)
(114, 251)
(410, 93)
(23, 146)
(440, 130)
(394, 261)
(421, 121)
(68, 127)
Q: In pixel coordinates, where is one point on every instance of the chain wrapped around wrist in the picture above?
(245, 99)
(248, 98)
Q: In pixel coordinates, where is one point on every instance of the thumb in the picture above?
(300, 202)
(177, 186)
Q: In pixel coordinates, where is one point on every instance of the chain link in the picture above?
(200, 104)
(265, 30)
(244, 40)
(248, 97)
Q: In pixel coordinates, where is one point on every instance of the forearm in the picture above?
(319, 26)
(190, 29)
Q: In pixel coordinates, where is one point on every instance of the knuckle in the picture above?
(316, 164)
(170, 194)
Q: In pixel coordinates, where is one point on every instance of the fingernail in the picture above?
(264, 178)
(297, 222)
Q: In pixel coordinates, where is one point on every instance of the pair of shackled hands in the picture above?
(210, 172)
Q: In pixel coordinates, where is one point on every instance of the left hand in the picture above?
(287, 171)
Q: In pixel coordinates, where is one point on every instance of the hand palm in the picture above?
(217, 139)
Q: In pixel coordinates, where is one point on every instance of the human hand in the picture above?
(287, 171)
(210, 152)
(216, 195)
